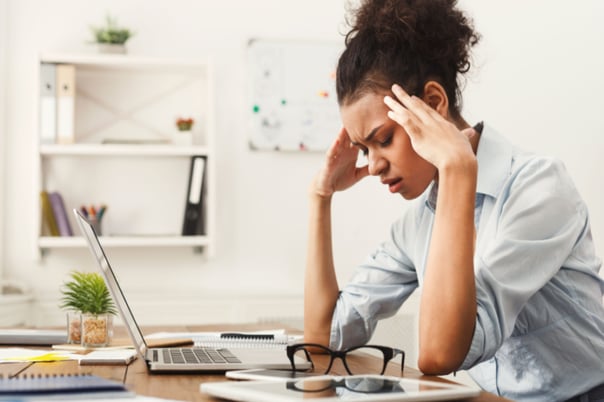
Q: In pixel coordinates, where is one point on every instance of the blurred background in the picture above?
(537, 79)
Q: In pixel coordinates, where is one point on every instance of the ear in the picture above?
(436, 96)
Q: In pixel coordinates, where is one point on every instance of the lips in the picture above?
(394, 185)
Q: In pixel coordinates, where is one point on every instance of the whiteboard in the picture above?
(292, 100)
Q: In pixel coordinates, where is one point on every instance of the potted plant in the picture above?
(111, 38)
(90, 309)
(184, 135)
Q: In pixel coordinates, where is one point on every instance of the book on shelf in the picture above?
(49, 224)
(55, 220)
(193, 221)
(60, 214)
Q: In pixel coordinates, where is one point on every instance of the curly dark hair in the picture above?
(407, 42)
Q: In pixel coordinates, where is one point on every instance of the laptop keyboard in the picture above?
(198, 356)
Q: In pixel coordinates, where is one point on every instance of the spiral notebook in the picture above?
(61, 385)
(195, 359)
(256, 339)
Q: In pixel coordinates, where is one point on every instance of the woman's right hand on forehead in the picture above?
(339, 170)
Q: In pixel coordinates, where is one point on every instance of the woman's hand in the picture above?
(434, 138)
(339, 171)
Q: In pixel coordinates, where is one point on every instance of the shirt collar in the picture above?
(494, 156)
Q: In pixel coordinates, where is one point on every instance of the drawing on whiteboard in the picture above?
(292, 100)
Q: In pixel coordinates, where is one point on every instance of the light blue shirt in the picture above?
(539, 333)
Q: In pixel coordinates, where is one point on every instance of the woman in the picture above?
(498, 240)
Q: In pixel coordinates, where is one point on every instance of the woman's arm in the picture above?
(320, 284)
(448, 301)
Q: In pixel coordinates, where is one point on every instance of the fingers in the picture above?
(413, 104)
(341, 139)
(403, 116)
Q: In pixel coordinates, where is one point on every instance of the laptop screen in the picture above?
(112, 283)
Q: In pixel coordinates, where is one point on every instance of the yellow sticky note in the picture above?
(46, 357)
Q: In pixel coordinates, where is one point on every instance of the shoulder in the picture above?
(541, 186)
(540, 173)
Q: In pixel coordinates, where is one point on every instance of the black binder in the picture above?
(194, 217)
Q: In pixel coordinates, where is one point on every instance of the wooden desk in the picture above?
(184, 387)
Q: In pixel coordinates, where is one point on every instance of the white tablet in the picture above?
(268, 374)
(332, 388)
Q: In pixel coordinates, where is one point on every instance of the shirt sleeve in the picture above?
(377, 290)
(536, 222)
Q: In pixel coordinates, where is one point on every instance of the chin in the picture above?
(410, 195)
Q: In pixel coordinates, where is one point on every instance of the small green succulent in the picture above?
(87, 293)
(111, 33)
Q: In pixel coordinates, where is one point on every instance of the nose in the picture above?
(376, 163)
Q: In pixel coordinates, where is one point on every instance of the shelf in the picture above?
(48, 242)
(125, 149)
(96, 60)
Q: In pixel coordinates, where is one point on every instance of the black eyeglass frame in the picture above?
(388, 353)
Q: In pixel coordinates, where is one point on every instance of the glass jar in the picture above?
(74, 327)
(96, 330)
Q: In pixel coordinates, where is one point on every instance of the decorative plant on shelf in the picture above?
(111, 35)
(87, 296)
(184, 124)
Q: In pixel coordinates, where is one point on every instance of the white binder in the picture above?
(65, 103)
(48, 104)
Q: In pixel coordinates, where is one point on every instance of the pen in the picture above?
(101, 212)
(84, 211)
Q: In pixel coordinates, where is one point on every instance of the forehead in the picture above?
(364, 115)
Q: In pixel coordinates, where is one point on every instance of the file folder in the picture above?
(48, 104)
(65, 103)
(193, 223)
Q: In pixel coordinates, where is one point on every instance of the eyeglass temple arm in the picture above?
(291, 352)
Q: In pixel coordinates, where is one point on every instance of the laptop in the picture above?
(185, 359)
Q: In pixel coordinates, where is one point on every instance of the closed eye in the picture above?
(387, 141)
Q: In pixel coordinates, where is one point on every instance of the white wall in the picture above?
(3, 42)
(539, 82)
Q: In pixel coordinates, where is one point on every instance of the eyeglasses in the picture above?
(352, 358)
(363, 385)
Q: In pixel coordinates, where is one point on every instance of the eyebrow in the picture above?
(370, 135)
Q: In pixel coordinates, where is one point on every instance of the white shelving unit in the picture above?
(124, 152)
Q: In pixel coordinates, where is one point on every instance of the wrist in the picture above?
(463, 165)
(319, 192)
(319, 197)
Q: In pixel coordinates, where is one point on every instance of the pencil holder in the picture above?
(96, 225)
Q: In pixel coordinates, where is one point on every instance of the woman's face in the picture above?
(387, 147)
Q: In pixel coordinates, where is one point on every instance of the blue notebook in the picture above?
(57, 384)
